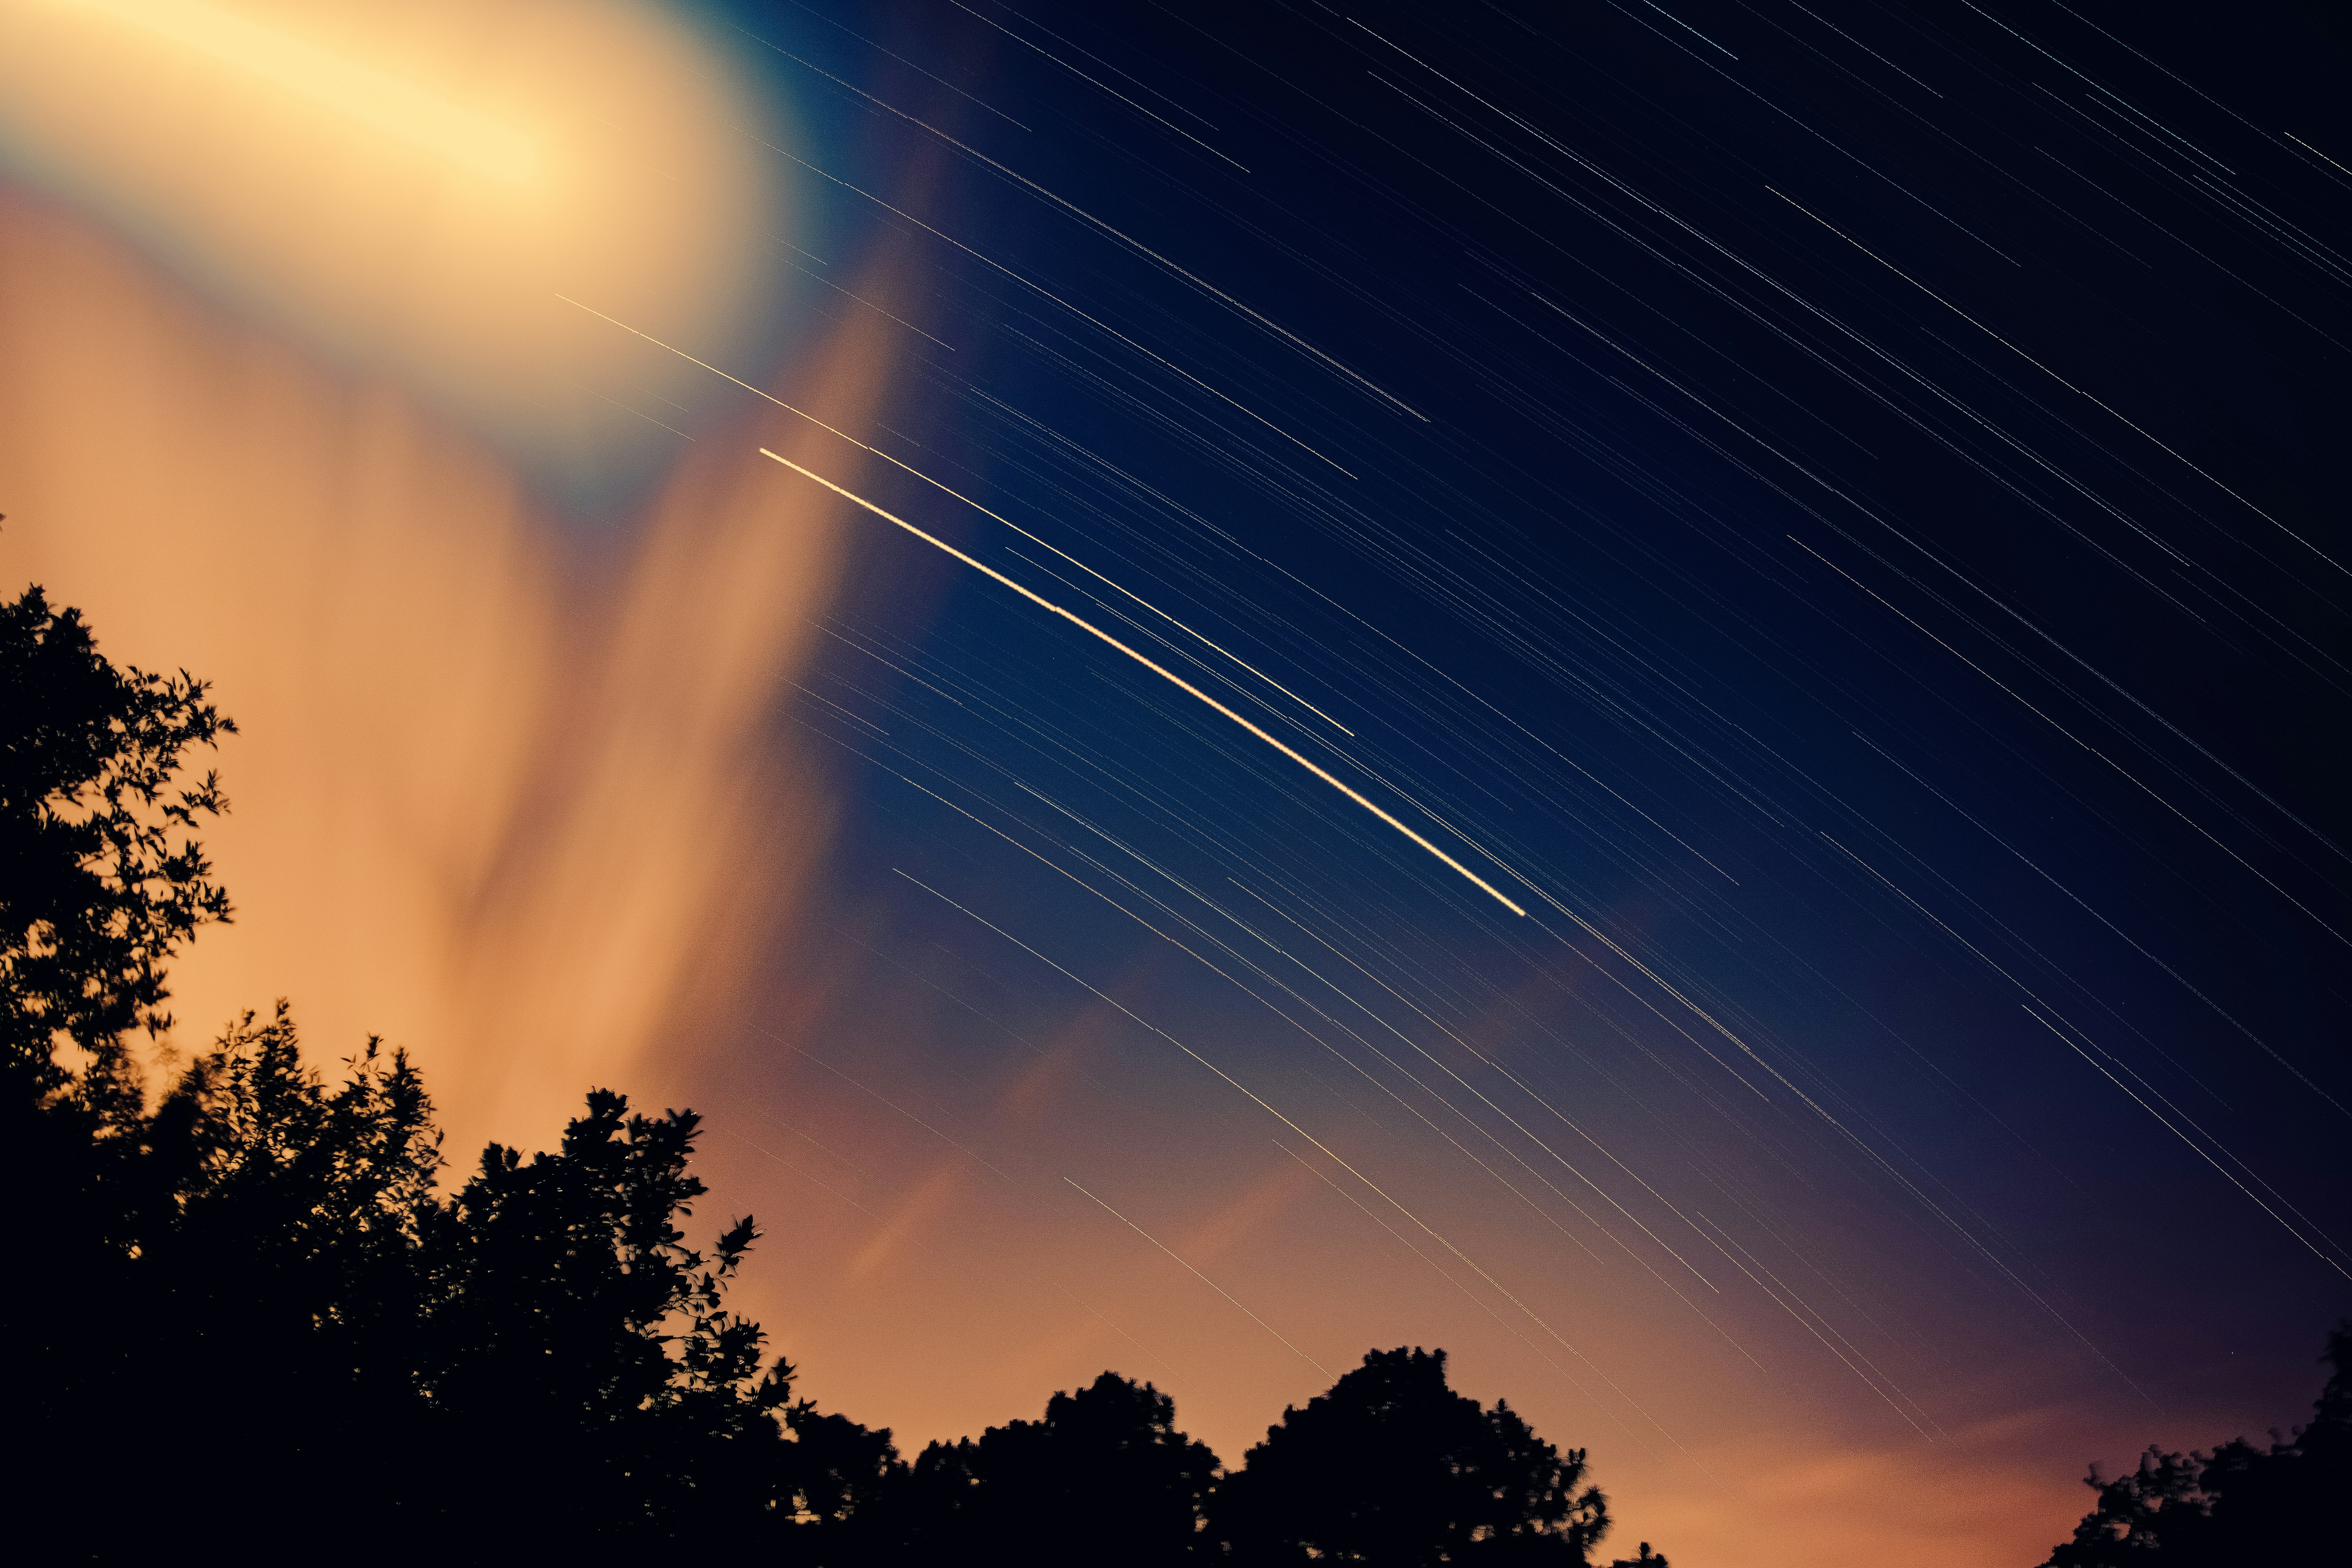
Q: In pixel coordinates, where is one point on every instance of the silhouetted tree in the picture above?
(266, 1301)
(539, 1364)
(1105, 1477)
(243, 1321)
(99, 877)
(244, 1324)
(1394, 1468)
(847, 1493)
(2240, 1504)
(580, 1352)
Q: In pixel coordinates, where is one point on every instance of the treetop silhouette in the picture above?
(2240, 1504)
(1391, 1466)
(101, 876)
(251, 1324)
(1105, 1472)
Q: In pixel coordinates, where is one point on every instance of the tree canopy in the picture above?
(1394, 1468)
(2241, 1504)
(295, 1326)
(252, 1324)
(249, 1300)
(100, 875)
(1106, 1466)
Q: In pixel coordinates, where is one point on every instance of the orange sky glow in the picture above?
(511, 794)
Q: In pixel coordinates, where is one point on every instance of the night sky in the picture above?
(1737, 807)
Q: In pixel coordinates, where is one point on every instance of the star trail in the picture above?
(1708, 760)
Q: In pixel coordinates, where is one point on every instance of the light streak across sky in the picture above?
(1165, 674)
(1829, 514)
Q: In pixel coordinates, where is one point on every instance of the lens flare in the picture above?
(407, 185)
(342, 87)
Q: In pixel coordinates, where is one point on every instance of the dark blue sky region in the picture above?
(1834, 511)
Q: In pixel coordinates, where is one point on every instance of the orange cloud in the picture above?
(931, 1198)
(512, 806)
(1266, 1200)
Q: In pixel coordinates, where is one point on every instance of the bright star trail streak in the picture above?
(907, 468)
(1818, 506)
(1165, 674)
(1834, 512)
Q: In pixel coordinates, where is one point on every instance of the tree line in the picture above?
(2283, 1504)
(246, 1320)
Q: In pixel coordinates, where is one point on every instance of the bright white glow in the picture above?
(362, 94)
(408, 184)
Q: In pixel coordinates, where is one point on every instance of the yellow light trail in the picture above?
(1164, 673)
(984, 511)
